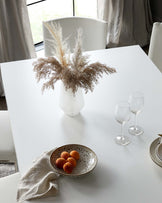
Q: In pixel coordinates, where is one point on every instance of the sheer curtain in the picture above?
(129, 21)
(16, 41)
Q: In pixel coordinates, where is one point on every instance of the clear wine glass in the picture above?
(136, 101)
(122, 115)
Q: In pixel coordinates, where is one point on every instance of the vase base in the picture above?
(71, 114)
(71, 103)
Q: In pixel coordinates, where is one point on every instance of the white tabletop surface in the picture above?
(123, 174)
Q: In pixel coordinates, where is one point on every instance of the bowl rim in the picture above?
(59, 171)
(158, 154)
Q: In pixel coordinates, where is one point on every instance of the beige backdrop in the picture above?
(16, 41)
(129, 21)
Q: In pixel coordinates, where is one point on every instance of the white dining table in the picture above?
(123, 174)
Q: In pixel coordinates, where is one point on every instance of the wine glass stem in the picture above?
(135, 121)
(122, 133)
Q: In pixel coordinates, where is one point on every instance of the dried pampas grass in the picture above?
(74, 72)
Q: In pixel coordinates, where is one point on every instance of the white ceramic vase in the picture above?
(71, 103)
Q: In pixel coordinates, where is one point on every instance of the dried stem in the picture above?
(74, 73)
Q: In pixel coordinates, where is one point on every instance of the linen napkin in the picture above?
(39, 181)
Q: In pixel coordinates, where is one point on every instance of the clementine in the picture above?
(72, 161)
(65, 155)
(68, 167)
(75, 154)
(60, 162)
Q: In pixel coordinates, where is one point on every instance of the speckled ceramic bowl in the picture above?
(159, 152)
(85, 164)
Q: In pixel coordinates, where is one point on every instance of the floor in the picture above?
(3, 105)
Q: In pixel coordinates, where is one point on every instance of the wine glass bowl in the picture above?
(122, 115)
(136, 101)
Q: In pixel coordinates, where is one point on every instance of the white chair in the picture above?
(94, 33)
(8, 188)
(7, 149)
(155, 49)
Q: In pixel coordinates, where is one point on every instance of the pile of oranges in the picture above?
(67, 161)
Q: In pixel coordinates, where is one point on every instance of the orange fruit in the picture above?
(68, 167)
(60, 162)
(75, 154)
(72, 161)
(65, 155)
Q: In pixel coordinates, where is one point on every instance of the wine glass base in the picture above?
(135, 130)
(122, 140)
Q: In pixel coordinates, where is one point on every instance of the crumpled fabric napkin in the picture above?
(39, 181)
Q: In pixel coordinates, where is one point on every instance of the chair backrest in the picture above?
(8, 188)
(94, 33)
(155, 49)
(7, 149)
